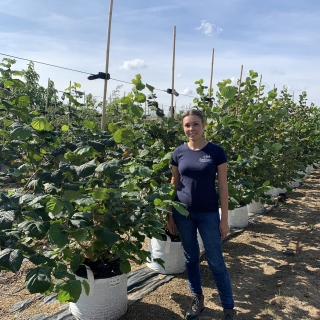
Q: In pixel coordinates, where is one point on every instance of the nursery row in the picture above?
(88, 195)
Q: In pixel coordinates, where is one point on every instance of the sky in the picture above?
(279, 39)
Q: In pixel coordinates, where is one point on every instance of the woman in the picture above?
(194, 169)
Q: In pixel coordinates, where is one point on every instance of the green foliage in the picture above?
(96, 194)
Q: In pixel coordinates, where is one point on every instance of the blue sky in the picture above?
(279, 39)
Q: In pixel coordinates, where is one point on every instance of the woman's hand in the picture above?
(224, 228)
(170, 225)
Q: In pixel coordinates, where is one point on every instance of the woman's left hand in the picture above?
(224, 228)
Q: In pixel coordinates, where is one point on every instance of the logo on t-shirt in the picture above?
(205, 158)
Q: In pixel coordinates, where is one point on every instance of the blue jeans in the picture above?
(208, 226)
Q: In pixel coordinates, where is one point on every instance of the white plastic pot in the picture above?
(170, 252)
(238, 217)
(256, 207)
(294, 184)
(107, 299)
(309, 169)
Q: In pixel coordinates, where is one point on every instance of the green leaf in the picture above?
(125, 266)
(54, 206)
(229, 92)
(65, 128)
(180, 208)
(100, 194)
(86, 287)
(21, 133)
(109, 167)
(107, 237)
(68, 291)
(86, 169)
(72, 195)
(277, 146)
(85, 201)
(151, 88)
(255, 150)
(89, 124)
(75, 262)
(58, 236)
(41, 124)
(37, 229)
(6, 219)
(82, 151)
(123, 135)
(11, 259)
(38, 280)
(24, 101)
(80, 235)
(140, 97)
(143, 153)
(272, 94)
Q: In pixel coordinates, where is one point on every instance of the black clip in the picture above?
(100, 75)
(170, 91)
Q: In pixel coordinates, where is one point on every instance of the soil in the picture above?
(274, 266)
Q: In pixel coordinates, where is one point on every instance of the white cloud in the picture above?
(133, 64)
(187, 91)
(179, 75)
(209, 29)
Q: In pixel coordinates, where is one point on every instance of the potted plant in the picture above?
(83, 200)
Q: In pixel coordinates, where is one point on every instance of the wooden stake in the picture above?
(212, 61)
(69, 106)
(173, 63)
(240, 79)
(259, 86)
(103, 118)
(47, 100)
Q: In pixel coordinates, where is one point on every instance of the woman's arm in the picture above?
(223, 196)
(175, 180)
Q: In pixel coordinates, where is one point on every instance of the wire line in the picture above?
(55, 66)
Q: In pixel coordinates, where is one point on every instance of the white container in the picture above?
(170, 252)
(309, 169)
(281, 190)
(302, 173)
(256, 207)
(238, 217)
(294, 184)
(272, 192)
(107, 299)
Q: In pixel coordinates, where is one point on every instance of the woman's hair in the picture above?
(194, 112)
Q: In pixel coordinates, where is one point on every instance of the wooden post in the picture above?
(47, 100)
(69, 106)
(259, 86)
(240, 79)
(239, 86)
(173, 63)
(103, 118)
(212, 61)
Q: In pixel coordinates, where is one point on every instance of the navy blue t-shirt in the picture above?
(198, 170)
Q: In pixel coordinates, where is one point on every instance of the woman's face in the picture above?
(193, 127)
